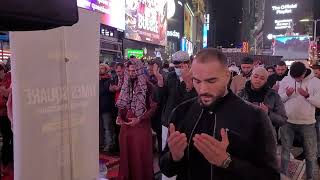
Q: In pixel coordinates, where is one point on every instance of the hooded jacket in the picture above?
(252, 145)
(277, 112)
(299, 109)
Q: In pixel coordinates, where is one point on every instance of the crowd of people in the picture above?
(212, 120)
(6, 119)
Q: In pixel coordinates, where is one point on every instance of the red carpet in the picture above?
(7, 173)
(112, 163)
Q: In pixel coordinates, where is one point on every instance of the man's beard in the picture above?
(213, 99)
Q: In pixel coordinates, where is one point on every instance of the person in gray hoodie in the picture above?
(300, 93)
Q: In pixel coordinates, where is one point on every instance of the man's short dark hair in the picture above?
(247, 60)
(297, 69)
(270, 67)
(132, 57)
(119, 65)
(281, 63)
(211, 54)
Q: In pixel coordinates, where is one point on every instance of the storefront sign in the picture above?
(138, 53)
(188, 22)
(173, 33)
(146, 21)
(113, 11)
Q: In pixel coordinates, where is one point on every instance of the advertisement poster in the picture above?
(56, 101)
(292, 47)
(138, 53)
(113, 11)
(188, 20)
(146, 21)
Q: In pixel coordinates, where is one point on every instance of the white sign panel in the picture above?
(55, 102)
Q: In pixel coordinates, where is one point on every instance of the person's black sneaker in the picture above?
(301, 157)
(318, 160)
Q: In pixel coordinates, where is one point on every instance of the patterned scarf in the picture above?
(133, 95)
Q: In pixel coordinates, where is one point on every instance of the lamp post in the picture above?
(315, 30)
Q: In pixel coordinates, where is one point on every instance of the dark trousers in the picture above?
(7, 138)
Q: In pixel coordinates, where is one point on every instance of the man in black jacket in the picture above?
(217, 135)
(106, 107)
(281, 71)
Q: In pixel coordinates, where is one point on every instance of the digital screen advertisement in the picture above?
(138, 53)
(146, 21)
(285, 16)
(188, 20)
(187, 46)
(113, 11)
(292, 47)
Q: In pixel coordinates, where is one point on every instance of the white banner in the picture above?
(55, 101)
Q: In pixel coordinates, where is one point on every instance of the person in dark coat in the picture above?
(156, 66)
(115, 87)
(281, 71)
(259, 94)
(176, 88)
(106, 108)
(217, 135)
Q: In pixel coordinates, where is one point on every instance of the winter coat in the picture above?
(301, 110)
(173, 93)
(277, 112)
(272, 80)
(251, 143)
(106, 98)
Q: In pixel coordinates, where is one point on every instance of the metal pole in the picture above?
(255, 46)
(315, 30)
(2, 55)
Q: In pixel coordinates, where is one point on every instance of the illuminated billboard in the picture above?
(188, 22)
(146, 21)
(292, 47)
(113, 11)
(283, 18)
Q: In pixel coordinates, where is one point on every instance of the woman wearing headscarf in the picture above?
(136, 107)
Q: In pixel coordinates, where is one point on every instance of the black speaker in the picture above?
(28, 15)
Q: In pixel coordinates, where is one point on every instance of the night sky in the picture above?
(227, 14)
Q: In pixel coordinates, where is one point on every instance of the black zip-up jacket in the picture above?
(272, 80)
(252, 145)
(173, 93)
